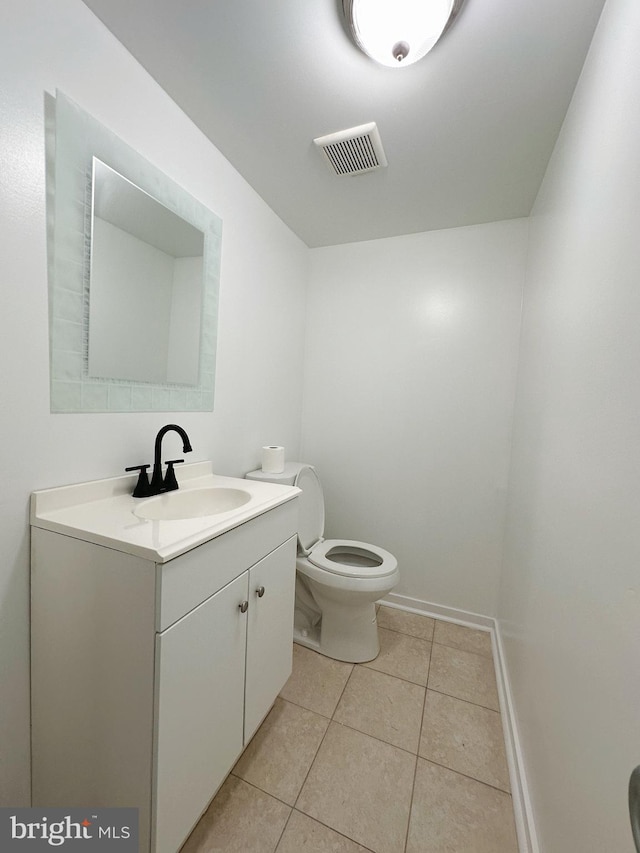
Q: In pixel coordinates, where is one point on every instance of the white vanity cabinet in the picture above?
(148, 678)
(203, 723)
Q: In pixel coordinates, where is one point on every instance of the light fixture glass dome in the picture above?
(398, 32)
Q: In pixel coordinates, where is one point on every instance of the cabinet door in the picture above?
(200, 692)
(269, 632)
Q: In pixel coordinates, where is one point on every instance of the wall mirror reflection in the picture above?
(134, 267)
(145, 285)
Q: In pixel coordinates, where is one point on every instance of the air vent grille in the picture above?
(353, 151)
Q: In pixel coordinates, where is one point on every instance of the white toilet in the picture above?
(338, 581)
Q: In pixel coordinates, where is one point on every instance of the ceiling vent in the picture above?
(353, 151)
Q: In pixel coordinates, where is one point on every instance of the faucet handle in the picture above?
(170, 483)
(142, 489)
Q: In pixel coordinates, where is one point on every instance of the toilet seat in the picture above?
(338, 581)
(346, 558)
(350, 558)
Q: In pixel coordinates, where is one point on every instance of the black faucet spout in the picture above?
(157, 482)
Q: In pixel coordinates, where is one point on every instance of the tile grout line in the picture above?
(391, 675)
(374, 737)
(304, 707)
(415, 769)
(284, 829)
(466, 651)
(293, 809)
(262, 790)
(468, 701)
(304, 781)
(465, 775)
(366, 664)
(333, 829)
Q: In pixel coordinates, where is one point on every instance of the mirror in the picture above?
(145, 285)
(134, 264)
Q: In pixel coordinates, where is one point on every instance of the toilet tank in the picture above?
(310, 502)
(286, 478)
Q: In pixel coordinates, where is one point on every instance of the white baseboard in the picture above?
(437, 611)
(522, 808)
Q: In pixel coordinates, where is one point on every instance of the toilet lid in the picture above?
(354, 559)
(310, 508)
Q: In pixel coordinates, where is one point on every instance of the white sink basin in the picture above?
(192, 503)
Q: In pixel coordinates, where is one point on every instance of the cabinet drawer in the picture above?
(188, 580)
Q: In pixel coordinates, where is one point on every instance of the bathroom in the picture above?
(492, 451)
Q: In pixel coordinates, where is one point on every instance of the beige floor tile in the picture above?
(403, 656)
(454, 814)
(361, 787)
(406, 623)
(316, 682)
(241, 819)
(305, 835)
(465, 675)
(461, 637)
(466, 738)
(281, 752)
(382, 706)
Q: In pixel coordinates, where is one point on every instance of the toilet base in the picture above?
(308, 638)
(347, 633)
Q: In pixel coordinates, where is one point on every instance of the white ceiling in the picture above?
(467, 131)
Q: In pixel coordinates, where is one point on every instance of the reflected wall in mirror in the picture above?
(133, 277)
(145, 285)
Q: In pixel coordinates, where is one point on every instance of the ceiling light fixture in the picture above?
(398, 32)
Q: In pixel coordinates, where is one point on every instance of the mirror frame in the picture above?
(78, 138)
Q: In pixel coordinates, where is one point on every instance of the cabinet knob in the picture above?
(244, 606)
(260, 591)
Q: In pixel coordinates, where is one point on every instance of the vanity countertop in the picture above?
(102, 512)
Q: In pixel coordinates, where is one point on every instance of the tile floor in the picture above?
(404, 754)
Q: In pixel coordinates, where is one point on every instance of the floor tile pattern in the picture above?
(404, 754)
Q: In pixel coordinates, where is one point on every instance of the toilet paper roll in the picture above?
(273, 459)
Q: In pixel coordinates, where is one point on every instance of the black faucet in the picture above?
(160, 484)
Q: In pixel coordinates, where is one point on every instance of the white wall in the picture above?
(409, 385)
(570, 602)
(44, 45)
